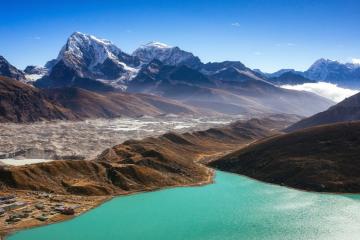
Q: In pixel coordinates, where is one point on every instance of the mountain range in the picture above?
(343, 74)
(325, 70)
(100, 67)
(289, 78)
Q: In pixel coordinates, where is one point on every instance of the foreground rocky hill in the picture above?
(169, 160)
(323, 158)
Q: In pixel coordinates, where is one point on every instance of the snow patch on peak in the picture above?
(83, 36)
(97, 58)
(83, 48)
(155, 44)
(168, 55)
(323, 61)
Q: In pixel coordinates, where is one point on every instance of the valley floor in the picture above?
(87, 139)
(50, 190)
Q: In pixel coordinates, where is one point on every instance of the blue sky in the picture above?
(265, 34)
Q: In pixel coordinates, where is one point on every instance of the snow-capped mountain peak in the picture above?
(169, 55)
(87, 49)
(155, 44)
(97, 58)
(344, 74)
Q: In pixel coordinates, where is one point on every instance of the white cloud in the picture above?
(291, 44)
(327, 90)
(355, 60)
(235, 24)
(257, 53)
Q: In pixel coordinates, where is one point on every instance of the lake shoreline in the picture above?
(5, 234)
(247, 201)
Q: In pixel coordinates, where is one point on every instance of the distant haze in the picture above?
(327, 90)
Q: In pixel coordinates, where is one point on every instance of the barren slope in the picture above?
(20, 102)
(324, 158)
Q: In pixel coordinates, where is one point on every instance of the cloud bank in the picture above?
(327, 90)
(356, 60)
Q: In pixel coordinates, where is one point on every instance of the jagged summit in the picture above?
(167, 54)
(89, 60)
(95, 57)
(344, 74)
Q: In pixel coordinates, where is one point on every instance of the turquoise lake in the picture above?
(233, 208)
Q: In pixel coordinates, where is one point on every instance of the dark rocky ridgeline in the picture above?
(140, 165)
(291, 78)
(347, 110)
(20, 102)
(323, 158)
(8, 70)
(63, 76)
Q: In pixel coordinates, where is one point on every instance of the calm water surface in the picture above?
(233, 208)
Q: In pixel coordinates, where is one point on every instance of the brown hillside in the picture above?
(346, 110)
(324, 158)
(20, 102)
(87, 104)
